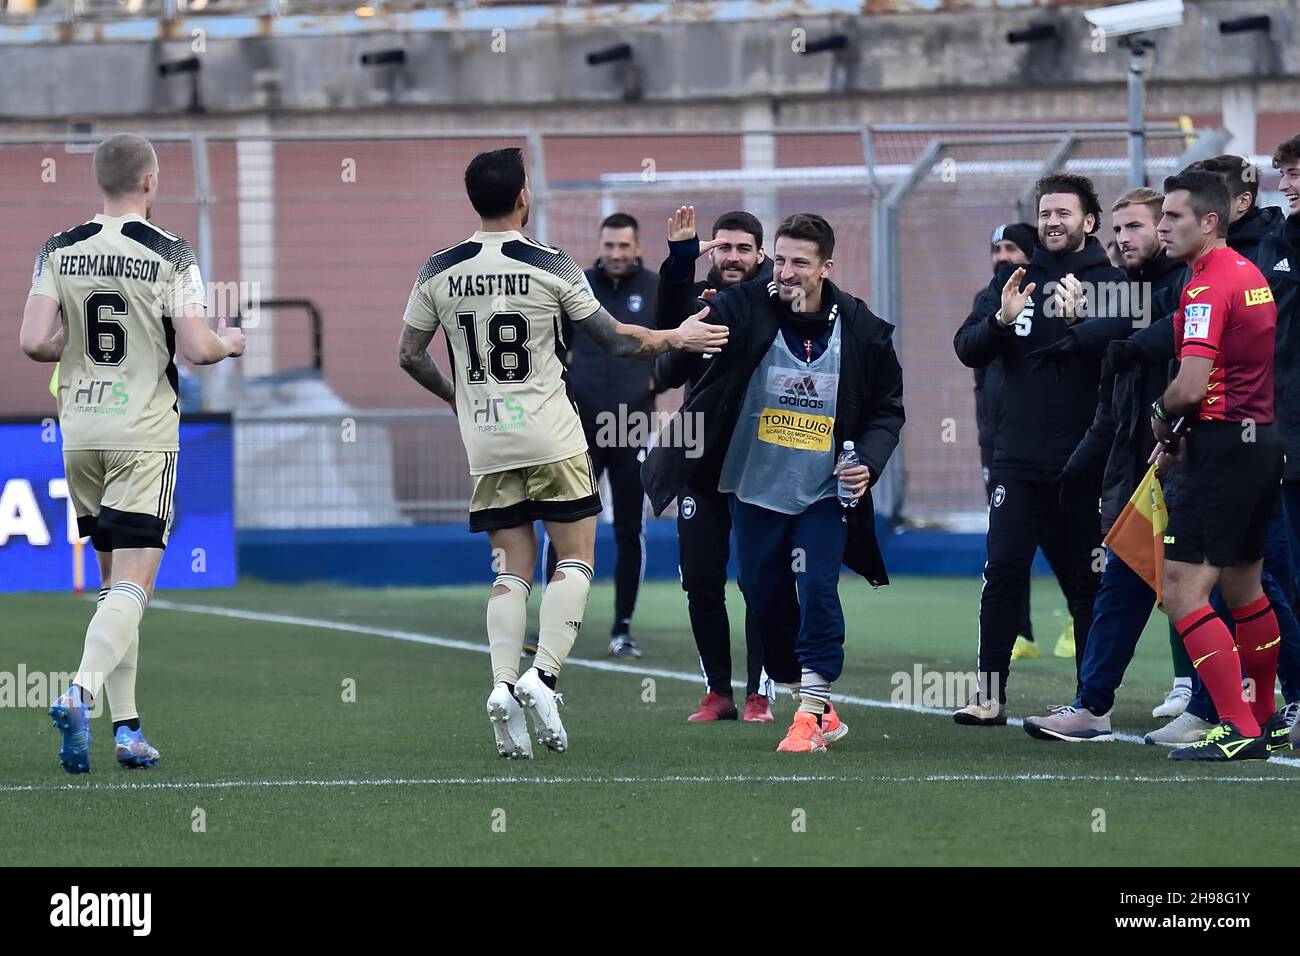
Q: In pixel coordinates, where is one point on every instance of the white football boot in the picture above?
(508, 724)
(1183, 730)
(544, 704)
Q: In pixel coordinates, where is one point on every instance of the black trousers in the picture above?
(1024, 516)
(1025, 627)
(628, 496)
(704, 542)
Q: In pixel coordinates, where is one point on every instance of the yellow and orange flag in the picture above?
(1138, 535)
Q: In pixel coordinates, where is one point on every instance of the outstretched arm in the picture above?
(41, 335)
(413, 356)
(617, 338)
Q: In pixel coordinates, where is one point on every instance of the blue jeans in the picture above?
(1124, 602)
(790, 575)
(1278, 581)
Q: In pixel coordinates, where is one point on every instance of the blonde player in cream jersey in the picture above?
(499, 298)
(112, 299)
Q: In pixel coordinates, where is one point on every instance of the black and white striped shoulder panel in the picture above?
(555, 261)
(172, 248)
(444, 259)
(64, 239)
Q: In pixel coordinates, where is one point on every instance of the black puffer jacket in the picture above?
(1134, 374)
(1246, 234)
(599, 381)
(1046, 406)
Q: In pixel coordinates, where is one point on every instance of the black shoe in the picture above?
(1225, 742)
(1277, 729)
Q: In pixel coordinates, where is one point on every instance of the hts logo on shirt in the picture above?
(490, 414)
(74, 909)
(91, 392)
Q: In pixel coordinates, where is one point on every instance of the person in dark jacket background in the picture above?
(1279, 260)
(1046, 408)
(806, 367)
(613, 394)
(1116, 450)
(735, 250)
(1010, 243)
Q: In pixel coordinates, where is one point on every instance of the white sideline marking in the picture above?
(550, 781)
(579, 662)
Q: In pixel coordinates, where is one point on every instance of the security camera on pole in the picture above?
(1129, 21)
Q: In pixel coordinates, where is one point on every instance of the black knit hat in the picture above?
(1021, 233)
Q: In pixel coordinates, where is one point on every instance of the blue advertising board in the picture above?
(37, 525)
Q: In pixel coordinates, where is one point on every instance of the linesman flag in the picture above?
(1138, 535)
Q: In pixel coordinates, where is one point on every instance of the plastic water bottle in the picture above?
(848, 459)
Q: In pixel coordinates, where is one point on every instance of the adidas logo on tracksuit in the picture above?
(1283, 266)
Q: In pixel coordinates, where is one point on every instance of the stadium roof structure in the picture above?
(126, 20)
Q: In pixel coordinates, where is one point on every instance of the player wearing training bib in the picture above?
(111, 299)
(1231, 458)
(808, 368)
(500, 299)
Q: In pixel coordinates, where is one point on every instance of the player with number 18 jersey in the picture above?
(501, 298)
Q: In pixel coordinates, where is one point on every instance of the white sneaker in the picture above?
(1184, 729)
(1291, 713)
(544, 704)
(1070, 723)
(1175, 702)
(981, 713)
(508, 724)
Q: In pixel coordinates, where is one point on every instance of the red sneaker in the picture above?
(714, 707)
(832, 727)
(758, 709)
(804, 735)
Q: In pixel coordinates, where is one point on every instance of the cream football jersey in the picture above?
(119, 280)
(500, 297)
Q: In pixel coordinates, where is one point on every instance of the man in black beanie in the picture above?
(1011, 243)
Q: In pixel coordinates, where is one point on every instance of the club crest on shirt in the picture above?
(999, 496)
(634, 302)
(688, 507)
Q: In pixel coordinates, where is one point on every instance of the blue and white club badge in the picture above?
(999, 496)
(634, 302)
(688, 507)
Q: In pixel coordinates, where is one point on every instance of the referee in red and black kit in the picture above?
(1231, 458)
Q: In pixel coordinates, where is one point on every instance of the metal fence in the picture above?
(315, 239)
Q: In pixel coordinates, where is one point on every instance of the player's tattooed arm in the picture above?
(617, 338)
(413, 356)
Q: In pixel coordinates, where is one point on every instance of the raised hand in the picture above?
(1014, 298)
(681, 224)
